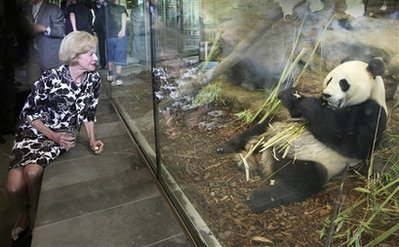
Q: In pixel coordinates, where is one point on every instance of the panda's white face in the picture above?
(351, 83)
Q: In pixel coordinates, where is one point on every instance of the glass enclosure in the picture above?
(200, 72)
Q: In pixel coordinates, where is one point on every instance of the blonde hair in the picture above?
(76, 43)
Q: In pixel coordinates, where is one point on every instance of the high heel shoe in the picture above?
(18, 232)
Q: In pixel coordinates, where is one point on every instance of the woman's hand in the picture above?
(65, 140)
(96, 146)
(121, 34)
(39, 28)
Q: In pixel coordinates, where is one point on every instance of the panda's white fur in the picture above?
(371, 87)
(304, 147)
(307, 147)
(311, 157)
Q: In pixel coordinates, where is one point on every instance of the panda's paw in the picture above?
(225, 148)
(290, 98)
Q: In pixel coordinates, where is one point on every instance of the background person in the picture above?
(61, 101)
(79, 18)
(116, 41)
(140, 34)
(64, 5)
(48, 25)
(99, 29)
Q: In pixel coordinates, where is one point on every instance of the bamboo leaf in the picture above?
(362, 190)
(383, 236)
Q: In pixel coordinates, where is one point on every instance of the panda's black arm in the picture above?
(321, 119)
(350, 130)
(323, 122)
(290, 98)
(238, 142)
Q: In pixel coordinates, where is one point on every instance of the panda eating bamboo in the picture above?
(342, 129)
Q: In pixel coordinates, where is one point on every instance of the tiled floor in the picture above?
(97, 200)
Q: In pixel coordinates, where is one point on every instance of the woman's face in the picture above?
(87, 61)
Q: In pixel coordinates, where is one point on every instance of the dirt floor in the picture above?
(218, 188)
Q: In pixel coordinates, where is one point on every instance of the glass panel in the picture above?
(133, 97)
(217, 68)
(244, 51)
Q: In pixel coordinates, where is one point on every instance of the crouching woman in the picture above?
(61, 101)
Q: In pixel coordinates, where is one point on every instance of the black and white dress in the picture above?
(61, 105)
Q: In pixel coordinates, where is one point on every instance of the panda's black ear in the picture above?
(376, 67)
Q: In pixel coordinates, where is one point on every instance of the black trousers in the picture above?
(7, 101)
(101, 49)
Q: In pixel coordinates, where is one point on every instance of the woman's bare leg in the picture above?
(16, 189)
(118, 69)
(33, 175)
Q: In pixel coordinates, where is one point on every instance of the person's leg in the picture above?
(33, 175)
(120, 57)
(16, 189)
(110, 58)
(110, 71)
(118, 70)
(101, 48)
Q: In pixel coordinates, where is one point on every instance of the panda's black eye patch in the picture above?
(329, 80)
(343, 83)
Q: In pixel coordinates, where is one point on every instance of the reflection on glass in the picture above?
(128, 60)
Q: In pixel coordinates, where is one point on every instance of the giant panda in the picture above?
(342, 128)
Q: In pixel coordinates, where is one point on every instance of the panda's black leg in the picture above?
(238, 143)
(295, 182)
(272, 196)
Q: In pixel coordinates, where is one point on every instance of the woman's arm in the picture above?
(65, 140)
(122, 32)
(36, 103)
(96, 145)
(72, 18)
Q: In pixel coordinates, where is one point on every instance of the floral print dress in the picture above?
(62, 105)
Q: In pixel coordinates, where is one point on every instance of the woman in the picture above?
(61, 100)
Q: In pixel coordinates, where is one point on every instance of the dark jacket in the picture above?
(48, 46)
